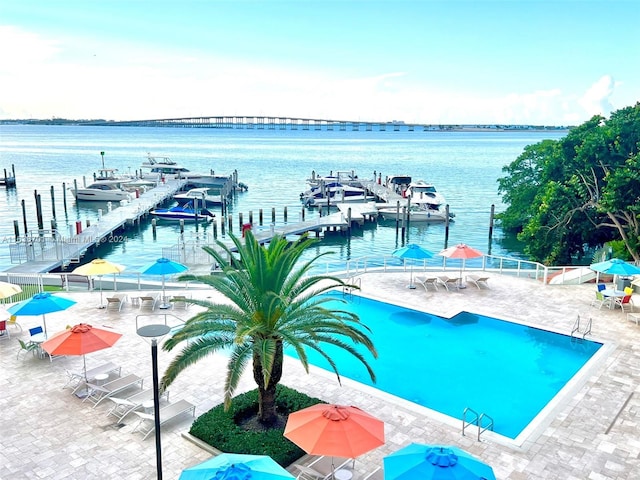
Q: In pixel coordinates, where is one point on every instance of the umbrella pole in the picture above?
(44, 323)
(101, 305)
(411, 285)
(164, 303)
(84, 361)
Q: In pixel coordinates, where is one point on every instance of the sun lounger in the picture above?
(76, 379)
(146, 425)
(148, 301)
(97, 393)
(478, 280)
(449, 283)
(428, 282)
(321, 468)
(124, 406)
(116, 302)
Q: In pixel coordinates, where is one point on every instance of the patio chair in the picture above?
(27, 347)
(76, 379)
(600, 299)
(4, 333)
(478, 280)
(623, 302)
(116, 302)
(146, 424)
(97, 393)
(427, 282)
(180, 302)
(12, 322)
(35, 331)
(449, 283)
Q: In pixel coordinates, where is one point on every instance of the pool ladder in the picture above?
(576, 328)
(476, 420)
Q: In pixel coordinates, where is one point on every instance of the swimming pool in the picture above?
(503, 369)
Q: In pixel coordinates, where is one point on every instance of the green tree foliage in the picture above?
(565, 196)
(272, 302)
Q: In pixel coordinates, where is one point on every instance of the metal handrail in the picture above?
(475, 421)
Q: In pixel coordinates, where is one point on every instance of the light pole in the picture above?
(154, 333)
(102, 154)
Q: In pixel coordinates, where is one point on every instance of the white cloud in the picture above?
(596, 100)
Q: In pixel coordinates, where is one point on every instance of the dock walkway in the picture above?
(44, 253)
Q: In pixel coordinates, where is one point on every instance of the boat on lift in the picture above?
(185, 212)
(333, 193)
(206, 197)
(163, 167)
(423, 192)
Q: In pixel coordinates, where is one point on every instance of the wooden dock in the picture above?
(53, 250)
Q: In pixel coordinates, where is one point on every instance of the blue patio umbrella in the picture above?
(615, 266)
(41, 304)
(434, 462)
(164, 266)
(412, 251)
(236, 466)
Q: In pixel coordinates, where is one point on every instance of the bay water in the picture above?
(464, 167)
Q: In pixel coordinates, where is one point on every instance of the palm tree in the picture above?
(273, 303)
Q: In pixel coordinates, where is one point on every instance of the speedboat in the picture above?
(418, 212)
(332, 194)
(206, 197)
(102, 191)
(423, 192)
(183, 212)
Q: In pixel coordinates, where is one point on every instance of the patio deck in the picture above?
(48, 433)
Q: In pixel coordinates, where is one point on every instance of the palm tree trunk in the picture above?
(267, 394)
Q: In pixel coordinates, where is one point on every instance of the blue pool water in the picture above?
(506, 370)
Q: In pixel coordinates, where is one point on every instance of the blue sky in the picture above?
(422, 61)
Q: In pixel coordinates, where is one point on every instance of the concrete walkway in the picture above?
(592, 434)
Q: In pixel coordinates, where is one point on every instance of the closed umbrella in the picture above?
(434, 462)
(164, 266)
(80, 340)
(412, 252)
(97, 268)
(461, 252)
(41, 304)
(334, 430)
(236, 466)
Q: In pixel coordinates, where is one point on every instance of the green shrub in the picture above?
(224, 431)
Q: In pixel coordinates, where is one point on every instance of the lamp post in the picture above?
(154, 333)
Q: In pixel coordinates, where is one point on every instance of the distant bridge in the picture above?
(291, 123)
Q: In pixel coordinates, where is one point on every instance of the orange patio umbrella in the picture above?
(334, 430)
(80, 340)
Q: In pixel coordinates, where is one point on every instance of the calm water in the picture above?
(506, 370)
(464, 166)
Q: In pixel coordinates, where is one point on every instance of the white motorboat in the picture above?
(102, 191)
(332, 194)
(345, 177)
(423, 192)
(418, 212)
(159, 167)
(206, 197)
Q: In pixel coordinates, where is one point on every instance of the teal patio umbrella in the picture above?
(434, 462)
(41, 304)
(412, 251)
(164, 266)
(236, 466)
(615, 266)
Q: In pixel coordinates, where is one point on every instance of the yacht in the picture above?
(102, 191)
(159, 167)
(423, 192)
(332, 194)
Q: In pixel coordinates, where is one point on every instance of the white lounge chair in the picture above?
(427, 282)
(116, 302)
(124, 406)
(146, 424)
(148, 301)
(76, 379)
(321, 468)
(478, 280)
(449, 283)
(97, 393)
